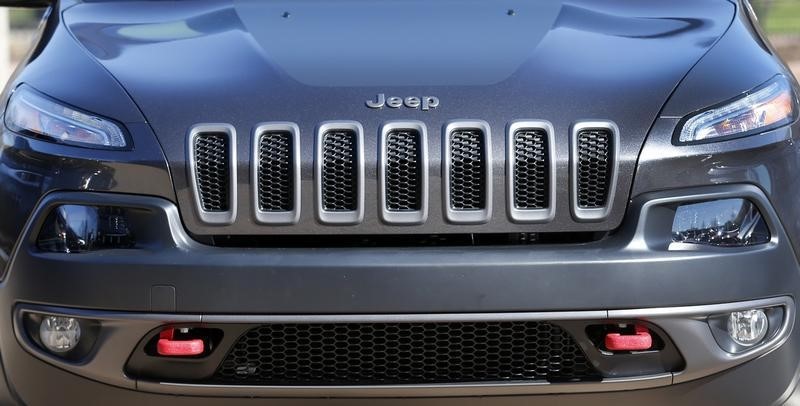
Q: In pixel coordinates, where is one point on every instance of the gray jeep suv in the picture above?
(399, 202)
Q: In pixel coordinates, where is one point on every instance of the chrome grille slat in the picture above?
(531, 169)
(467, 172)
(467, 166)
(403, 171)
(275, 172)
(594, 167)
(339, 172)
(211, 152)
(212, 168)
(339, 175)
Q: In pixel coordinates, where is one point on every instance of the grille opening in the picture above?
(276, 172)
(467, 169)
(212, 170)
(403, 171)
(399, 240)
(531, 169)
(404, 353)
(595, 163)
(339, 171)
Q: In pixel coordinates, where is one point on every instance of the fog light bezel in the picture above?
(776, 317)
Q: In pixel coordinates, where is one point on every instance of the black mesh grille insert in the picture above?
(275, 172)
(467, 170)
(403, 171)
(213, 171)
(339, 173)
(531, 169)
(404, 353)
(594, 167)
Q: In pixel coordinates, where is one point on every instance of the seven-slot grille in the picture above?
(594, 162)
(531, 169)
(403, 188)
(404, 353)
(467, 169)
(212, 169)
(339, 171)
(404, 171)
(276, 172)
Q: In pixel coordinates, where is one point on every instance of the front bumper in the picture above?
(633, 274)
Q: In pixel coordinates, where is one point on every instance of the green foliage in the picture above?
(21, 18)
(778, 16)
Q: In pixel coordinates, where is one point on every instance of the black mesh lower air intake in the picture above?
(403, 170)
(339, 171)
(594, 167)
(531, 169)
(212, 169)
(467, 170)
(275, 172)
(404, 353)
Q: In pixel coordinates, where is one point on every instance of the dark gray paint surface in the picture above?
(221, 61)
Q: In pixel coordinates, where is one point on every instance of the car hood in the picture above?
(195, 61)
(307, 61)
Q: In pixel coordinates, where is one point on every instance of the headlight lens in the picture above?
(766, 107)
(31, 113)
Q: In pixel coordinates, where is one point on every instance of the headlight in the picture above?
(767, 107)
(33, 114)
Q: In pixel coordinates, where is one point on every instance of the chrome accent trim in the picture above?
(428, 390)
(272, 217)
(600, 213)
(340, 217)
(406, 318)
(466, 216)
(407, 217)
(530, 215)
(214, 218)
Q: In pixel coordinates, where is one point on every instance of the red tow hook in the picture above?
(639, 341)
(169, 347)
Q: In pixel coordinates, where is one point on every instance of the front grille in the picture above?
(339, 174)
(594, 167)
(404, 353)
(276, 172)
(531, 169)
(350, 178)
(467, 170)
(212, 166)
(403, 170)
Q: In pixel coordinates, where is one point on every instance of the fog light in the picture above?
(726, 223)
(748, 327)
(59, 334)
